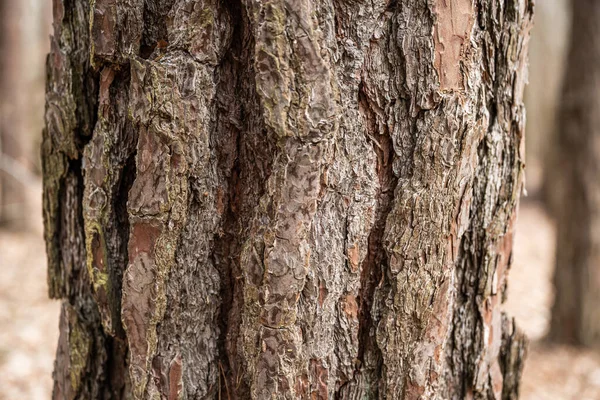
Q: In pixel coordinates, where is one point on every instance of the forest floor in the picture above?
(29, 320)
(552, 372)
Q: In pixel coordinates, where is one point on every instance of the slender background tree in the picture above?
(575, 315)
(284, 199)
(547, 59)
(23, 49)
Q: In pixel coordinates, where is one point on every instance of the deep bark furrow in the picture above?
(226, 141)
(105, 158)
(244, 157)
(357, 26)
(155, 34)
(175, 172)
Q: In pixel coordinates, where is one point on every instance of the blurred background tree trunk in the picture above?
(547, 53)
(3, 67)
(23, 46)
(284, 199)
(576, 311)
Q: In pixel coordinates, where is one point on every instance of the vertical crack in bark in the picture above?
(155, 34)
(127, 177)
(229, 137)
(107, 180)
(244, 158)
(369, 354)
(366, 156)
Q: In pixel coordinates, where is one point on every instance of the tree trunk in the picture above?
(575, 315)
(284, 199)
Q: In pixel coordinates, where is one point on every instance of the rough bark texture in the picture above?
(285, 199)
(575, 315)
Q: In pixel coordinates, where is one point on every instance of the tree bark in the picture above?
(284, 199)
(575, 315)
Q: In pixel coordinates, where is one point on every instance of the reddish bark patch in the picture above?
(148, 195)
(176, 162)
(319, 375)
(350, 306)
(413, 391)
(454, 21)
(322, 293)
(106, 78)
(98, 252)
(220, 201)
(301, 386)
(139, 306)
(143, 239)
(504, 252)
(104, 27)
(58, 12)
(353, 257)
(175, 374)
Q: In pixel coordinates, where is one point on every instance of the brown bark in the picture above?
(575, 315)
(284, 199)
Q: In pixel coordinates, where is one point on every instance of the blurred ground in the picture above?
(29, 321)
(551, 372)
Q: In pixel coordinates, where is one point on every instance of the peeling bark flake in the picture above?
(452, 36)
